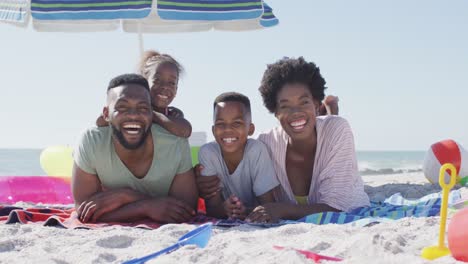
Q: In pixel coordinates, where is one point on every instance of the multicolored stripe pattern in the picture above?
(268, 19)
(209, 10)
(90, 9)
(15, 11)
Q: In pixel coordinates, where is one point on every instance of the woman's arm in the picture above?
(294, 211)
(174, 122)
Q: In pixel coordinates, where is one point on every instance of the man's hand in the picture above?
(168, 210)
(103, 202)
(263, 214)
(208, 186)
(234, 208)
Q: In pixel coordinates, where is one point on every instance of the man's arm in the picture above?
(184, 188)
(91, 202)
(84, 185)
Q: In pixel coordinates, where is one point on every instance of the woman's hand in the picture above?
(263, 214)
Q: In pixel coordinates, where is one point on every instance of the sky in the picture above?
(400, 69)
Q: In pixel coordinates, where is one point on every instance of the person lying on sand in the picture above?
(132, 169)
(313, 156)
(241, 166)
(162, 72)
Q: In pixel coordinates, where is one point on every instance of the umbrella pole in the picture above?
(140, 40)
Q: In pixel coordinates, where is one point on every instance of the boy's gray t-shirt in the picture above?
(253, 177)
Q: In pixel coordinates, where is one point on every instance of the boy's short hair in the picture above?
(129, 78)
(233, 97)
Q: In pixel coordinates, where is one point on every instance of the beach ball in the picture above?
(445, 151)
(458, 235)
(57, 161)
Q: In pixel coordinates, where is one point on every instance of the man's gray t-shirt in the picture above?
(95, 154)
(253, 177)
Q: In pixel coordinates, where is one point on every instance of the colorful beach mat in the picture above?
(66, 217)
(393, 208)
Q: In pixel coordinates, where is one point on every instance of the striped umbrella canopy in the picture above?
(138, 16)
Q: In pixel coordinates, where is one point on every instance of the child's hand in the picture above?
(329, 105)
(101, 122)
(234, 208)
(175, 112)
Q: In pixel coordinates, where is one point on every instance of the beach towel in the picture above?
(393, 208)
(66, 217)
(15, 12)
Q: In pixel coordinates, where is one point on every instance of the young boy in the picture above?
(243, 165)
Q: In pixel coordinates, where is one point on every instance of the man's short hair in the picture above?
(129, 78)
(233, 97)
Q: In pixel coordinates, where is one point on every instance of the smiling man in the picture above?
(132, 169)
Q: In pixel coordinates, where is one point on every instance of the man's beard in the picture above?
(120, 137)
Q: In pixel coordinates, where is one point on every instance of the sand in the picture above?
(399, 241)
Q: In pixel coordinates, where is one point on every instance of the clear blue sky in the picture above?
(400, 69)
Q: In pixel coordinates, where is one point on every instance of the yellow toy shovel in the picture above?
(441, 250)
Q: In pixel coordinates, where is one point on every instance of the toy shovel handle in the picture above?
(153, 255)
(453, 176)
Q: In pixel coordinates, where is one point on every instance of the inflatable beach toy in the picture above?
(458, 235)
(446, 151)
(441, 250)
(35, 189)
(57, 161)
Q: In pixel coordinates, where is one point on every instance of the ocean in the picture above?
(25, 162)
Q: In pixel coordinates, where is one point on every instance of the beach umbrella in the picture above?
(138, 16)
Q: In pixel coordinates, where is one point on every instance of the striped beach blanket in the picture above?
(90, 9)
(209, 10)
(393, 208)
(14, 11)
(66, 217)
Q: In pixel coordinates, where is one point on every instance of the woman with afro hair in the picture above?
(313, 156)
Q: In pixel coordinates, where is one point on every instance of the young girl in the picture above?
(162, 72)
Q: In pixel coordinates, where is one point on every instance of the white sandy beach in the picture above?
(396, 242)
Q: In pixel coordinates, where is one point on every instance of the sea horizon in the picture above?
(26, 161)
